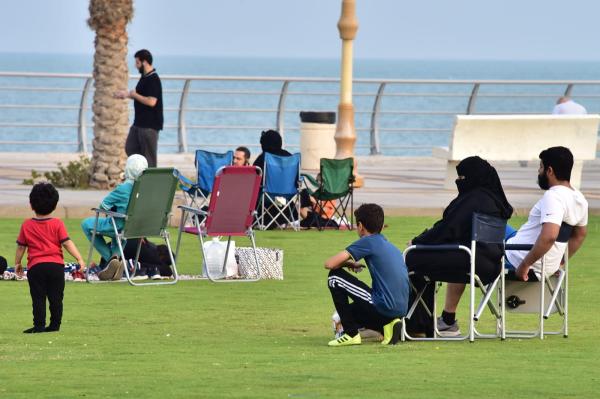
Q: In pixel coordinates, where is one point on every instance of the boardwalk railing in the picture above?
(52, 111)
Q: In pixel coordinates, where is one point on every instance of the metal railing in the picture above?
(402, 116)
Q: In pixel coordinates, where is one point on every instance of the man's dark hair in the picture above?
(561, 160)
(245, 150)
(144, 55)
(43, 198)
(371, 217)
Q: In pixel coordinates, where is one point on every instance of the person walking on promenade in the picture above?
(148, 106)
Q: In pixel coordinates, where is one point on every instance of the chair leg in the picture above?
(91, 251)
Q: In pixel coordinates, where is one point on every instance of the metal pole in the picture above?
(281, 107)
(375, 148)
(473, 99)
(83, 103)
(182, 134)
(569, 90)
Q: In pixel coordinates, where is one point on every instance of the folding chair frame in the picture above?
(559, 298)
(118, 236)
(474, 284)
(292, 203)
(197, 197)
(340, 209)
(201, 231)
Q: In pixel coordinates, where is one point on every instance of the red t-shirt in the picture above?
(43, 239)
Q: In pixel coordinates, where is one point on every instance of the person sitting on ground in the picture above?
(381, 307)
(154, 260)
(241, 157)
(116, 201)
(566, 106)
(43, 237)
(271, 142)
(561, 203)
(479, 190)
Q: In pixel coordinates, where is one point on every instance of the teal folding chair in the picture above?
(147, 216)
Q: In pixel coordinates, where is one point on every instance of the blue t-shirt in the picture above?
(388, 273)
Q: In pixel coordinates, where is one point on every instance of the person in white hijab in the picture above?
(134, 166)
(116, 201)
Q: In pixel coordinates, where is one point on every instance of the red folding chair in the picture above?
(231, 212)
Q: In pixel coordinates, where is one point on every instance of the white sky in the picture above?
(425, 29)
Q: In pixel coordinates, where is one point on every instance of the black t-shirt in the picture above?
(149, 117)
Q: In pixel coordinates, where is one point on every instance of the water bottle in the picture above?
(215, 255)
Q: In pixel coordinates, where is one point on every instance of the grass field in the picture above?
(268, 339)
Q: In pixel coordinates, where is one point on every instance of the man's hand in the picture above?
(121, 94)
(19, 270)
(522, 272)
(354, 266)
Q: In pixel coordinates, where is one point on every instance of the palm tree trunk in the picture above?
(109, 19)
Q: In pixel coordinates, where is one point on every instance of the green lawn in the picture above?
(268, 339)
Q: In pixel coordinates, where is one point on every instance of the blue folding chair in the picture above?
(207, 165)
(279, 200)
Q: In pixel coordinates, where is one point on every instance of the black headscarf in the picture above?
(478, 173)
(270, 141)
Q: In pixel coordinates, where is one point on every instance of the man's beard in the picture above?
(141, 69)
(543, 181)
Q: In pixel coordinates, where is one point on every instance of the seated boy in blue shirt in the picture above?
(116, 201)
(381, 307)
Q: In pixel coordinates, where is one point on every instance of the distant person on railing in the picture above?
(241, 157)
(148, 106)
(566, 106)
(271, 142)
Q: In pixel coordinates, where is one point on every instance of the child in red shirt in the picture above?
(43, 238)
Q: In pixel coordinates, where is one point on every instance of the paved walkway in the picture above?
(404, 186)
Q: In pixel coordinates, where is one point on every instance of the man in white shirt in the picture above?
(560, 203)
(566, 106)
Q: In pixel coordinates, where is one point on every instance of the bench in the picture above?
(520, 138)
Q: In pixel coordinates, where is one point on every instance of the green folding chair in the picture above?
(336, 183)
(147, 216)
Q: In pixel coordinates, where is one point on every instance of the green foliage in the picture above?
(269, 339)
(75, 175)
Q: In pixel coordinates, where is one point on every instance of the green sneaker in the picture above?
(345, 340)
(391, 332)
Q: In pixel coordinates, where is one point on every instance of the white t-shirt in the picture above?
(559, 204)
(569, 108)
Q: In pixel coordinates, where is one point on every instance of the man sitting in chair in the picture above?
(560, 203)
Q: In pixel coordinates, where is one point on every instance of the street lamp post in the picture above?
(345, 134)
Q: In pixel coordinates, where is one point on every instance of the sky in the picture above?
(388, 29)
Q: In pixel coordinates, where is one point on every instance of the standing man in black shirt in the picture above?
(148, 106)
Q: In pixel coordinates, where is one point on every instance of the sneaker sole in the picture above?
(119, 270)
(109, 271)
(449, 334)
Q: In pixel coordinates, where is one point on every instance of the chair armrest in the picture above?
(518, 247)
(185, 180)
(110, 213)
(310, 179)
(440, 247)
(192, 210)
